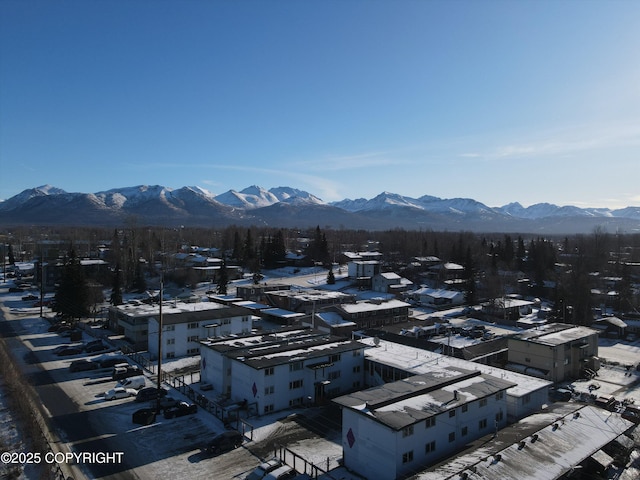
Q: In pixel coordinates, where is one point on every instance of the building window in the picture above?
(527, 359)
(357, 353)
(452, 412)
(483, 402)
(268, 408)
(464, 431)
(334, 358)
(333, 375)
(171, 355)
(295, 384)
(171, 341)
(407, 431)
(430, 447)
(499, 395)
(296, 401)
(430, 422)
(465, 407)
(193, 351)
(482, 424)
(245, 319)
(295, 366)
(499, 416)
(452, 437)
(407, 457)
(268, 371)
(356, 369)
(526, 399)
(169, 328)
(269, 390)
(192, 338)
(356, 384)
(192, 325)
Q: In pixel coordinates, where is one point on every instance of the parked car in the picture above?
(180, 410)
(65, 352)
(224, 442)
(261, 470)
(119, 392)
(110, 361)
(82, 365)
(137, 382)
(56, 326)
(150, 393)
(96, 347)
(120, 373)
(30, 297)
(285, 472)
(165, 402)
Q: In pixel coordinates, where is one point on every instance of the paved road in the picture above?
(66, 421)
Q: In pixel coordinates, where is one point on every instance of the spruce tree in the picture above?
(116, 288)
(72, 294)
(223, 279)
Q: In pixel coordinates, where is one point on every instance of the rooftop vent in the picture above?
(576, 415)
(521, 445)
(555, 426)
(534, 438)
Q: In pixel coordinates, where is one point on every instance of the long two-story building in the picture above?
(398, 428)
(282, 369)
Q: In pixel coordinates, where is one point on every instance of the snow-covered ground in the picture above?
(168, 448)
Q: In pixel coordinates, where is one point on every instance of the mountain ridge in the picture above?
(291, 207)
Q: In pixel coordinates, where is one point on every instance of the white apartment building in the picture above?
(392, 361)
(185, 324)
(282, 369)
(401, 427)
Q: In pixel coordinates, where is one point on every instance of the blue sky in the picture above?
(500, 101)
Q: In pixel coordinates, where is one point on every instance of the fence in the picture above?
(301, 465)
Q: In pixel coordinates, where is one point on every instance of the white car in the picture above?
(120, 392)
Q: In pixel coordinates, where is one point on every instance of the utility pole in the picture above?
(160, 348)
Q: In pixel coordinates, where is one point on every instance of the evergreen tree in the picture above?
(469, 277)
(139, 284)
(116, 288)
(12, 258)
(331, 278)
(72, 294)
(223, 279)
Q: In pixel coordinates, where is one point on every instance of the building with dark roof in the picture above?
(289, 367)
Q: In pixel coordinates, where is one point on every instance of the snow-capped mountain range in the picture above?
(290, 207)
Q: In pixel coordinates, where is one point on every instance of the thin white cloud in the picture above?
(566, 142)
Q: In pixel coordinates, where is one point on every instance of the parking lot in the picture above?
(168, 447)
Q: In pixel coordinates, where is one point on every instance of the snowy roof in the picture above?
(390, 276)
(281, 313)
(437, 292)
(369, 305)
(251, 305)
(283, 346)
(615, 321)
(409, 401)
(552, 442)
(416, 360)
(333, 318)
(556, 334)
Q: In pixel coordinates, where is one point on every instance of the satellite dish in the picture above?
(376, 341)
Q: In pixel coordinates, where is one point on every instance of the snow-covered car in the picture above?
(180, 410)
(261, 470)
(119, 392)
